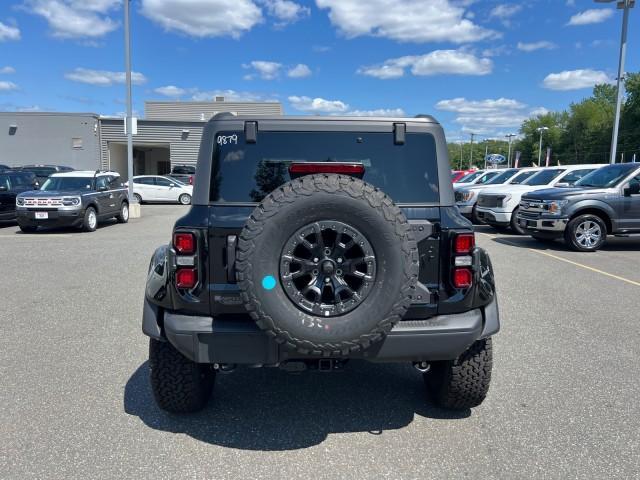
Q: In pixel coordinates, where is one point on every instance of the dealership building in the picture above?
(168, 135)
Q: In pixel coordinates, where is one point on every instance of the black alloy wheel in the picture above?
(327, 268)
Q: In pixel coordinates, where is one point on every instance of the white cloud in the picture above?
(496, 51)
(7, 70)
(489, 115)
(438, 62)
(299, 71)
(103, 78)
(317, 105)
(575, 79)
(504, 10)
(286, 11)
(539, 111)
(204, 18)
(404, 20)
(265, 70)
(7, 32)
(7, 86)
(533, 46)
(171, 91)
(593, 15)
(76, 18)
(380, 112)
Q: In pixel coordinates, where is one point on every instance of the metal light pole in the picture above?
(510, 136)
(626, 5)
(541, 130)
(471, 155)
(461, 153)
(486, 154)
(128, 120)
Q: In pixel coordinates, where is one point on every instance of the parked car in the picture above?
(4, 167)
(499, 206)
(467, 195)
(470, 176)
(11, 184)
(74, 199)
(479, 177)
(289, 259)
(605, 202)
(155, 188)
(457, 175)
(42, 172)
(183, 173)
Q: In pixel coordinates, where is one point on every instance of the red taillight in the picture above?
(186, 278)
(464, 243)
(307, 168)
(184, 243)
(462, 278)
(190, 179)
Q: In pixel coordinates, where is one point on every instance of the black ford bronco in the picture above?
(311, 241)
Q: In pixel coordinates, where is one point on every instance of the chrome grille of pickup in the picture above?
(532, 205)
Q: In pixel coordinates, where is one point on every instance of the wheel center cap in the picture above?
(327, 267)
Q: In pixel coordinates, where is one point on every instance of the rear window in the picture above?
(248, 172)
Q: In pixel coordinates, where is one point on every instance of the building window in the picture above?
(76, 143)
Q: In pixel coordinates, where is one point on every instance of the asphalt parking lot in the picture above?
(76, 402)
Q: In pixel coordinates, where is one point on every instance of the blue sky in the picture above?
(480, 66)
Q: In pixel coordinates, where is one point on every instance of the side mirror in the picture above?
(562, 184)
(3, 188)
(36, 186)
(102, 188)
(171, 185)
(632, 189)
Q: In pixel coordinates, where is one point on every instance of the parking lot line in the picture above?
(547, 254)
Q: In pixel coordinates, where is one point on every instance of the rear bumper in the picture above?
(209, 340)
(71, 218)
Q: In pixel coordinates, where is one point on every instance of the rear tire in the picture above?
(27, 229)
(123, 216)
(90, 222)
(464, 382)
(515, 226)
(184, 199)
(178, 384)
(137, 198)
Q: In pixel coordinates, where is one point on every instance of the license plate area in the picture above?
(42, 215)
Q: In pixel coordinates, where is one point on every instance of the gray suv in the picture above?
(604, 202)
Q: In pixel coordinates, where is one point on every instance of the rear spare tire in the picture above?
(327, 264)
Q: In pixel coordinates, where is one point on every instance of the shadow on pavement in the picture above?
(267, 409)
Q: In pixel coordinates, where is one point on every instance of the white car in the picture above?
(498, 206)
(476, 178)
(467, 195)
(156, 188)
